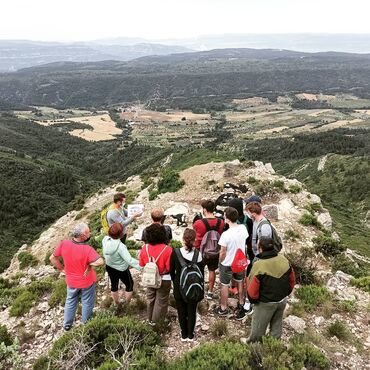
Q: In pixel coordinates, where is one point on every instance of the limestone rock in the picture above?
(295, 323)
(325, 219)
(271, 211)
(287, 209)
(43, 307)
(177, 209)
(319, 320)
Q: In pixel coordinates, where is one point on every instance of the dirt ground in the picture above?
(174, 116)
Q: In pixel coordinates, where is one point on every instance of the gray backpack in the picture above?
(209, 246)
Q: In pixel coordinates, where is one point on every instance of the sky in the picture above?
(83, 20)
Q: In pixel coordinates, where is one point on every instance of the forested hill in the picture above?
(45, 173)
(219, 74)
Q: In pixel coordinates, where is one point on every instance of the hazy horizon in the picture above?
(70, 21)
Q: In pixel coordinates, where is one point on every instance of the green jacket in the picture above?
(117, 256)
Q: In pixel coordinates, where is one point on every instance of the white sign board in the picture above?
(134, 208)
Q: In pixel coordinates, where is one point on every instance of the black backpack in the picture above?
(278, 244)
(191, 278)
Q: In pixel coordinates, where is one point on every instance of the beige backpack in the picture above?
(151, 277)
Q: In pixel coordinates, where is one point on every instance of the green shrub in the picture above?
(362, 283)
(313, 207)
(5, 283)
(312, 296)
(340, 330)
(304, 266)
(347, 306)
(23, 303)
(308, 219)
(328, 246)
(170, 182)
(47, 258)
(279, 184)
(307, 356)
(219, 328)
(252, 180)
(175, 243)
(132, 244)
(292, 235)
(153, 194)
(87, 346)
(343, 263)
(26, 260)
(224, 355)
(294, 189)
(59, 294)
(10, 357)
(5, 337)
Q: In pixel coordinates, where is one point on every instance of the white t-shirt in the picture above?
(233, 239)
(189, 255)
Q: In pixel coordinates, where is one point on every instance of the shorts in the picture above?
(226, 274)
(116, 275)
(211, 263)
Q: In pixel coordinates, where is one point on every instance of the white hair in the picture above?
(79, 229)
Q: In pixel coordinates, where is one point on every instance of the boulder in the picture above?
(319, 320)
(177, 209)
(325, 219)
(271, 211)
(287, 209)
(295, 323)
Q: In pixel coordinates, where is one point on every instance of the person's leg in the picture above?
(276, 324)
(114, 280)
(192, 318)
(70, 306)
(211, 280)
(88, 301)
(161, 301)
(182, 316)
(225, 278)
(150, 297)
(262, 315)
(127, 279)
(239, 279)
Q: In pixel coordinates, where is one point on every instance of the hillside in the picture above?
(327, 316)
(215, 75)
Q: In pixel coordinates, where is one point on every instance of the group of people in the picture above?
(239, 244)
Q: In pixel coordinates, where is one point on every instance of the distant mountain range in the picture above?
(18, 54)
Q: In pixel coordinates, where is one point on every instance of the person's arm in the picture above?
(125, 254)
(142, 253)
(222, 253)
(168, 260)
(172, 266)
(56, 263)
(291, 280)
(98, 262)
(253, 289)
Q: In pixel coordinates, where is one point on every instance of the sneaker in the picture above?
(184, 339)
(247, 305)
(240, 314)
(151, 323)
(210, 296)
(67, 327)
(191, 340)
(250, 311)
(220, 312)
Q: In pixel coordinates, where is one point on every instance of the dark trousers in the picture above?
(187, 314)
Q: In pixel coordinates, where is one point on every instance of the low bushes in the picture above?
(304, 266)
(23, 303)
(312, 296)
(5, 337)
(175, 243)
(170, 182)
(270, 354)
(219, 328)
(340, 330)
(328, 246)
(308, 219)
(362, 283)
(26, 260)
(59, 294)
(102, 342)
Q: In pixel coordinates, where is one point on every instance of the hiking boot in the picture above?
(220, 312)
(210, 296)
(240, 314)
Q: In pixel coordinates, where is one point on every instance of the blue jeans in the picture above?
(87, 300)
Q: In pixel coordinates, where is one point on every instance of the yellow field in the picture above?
(175, 116)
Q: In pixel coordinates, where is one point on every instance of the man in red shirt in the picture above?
(200, 227)
(78, 260)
